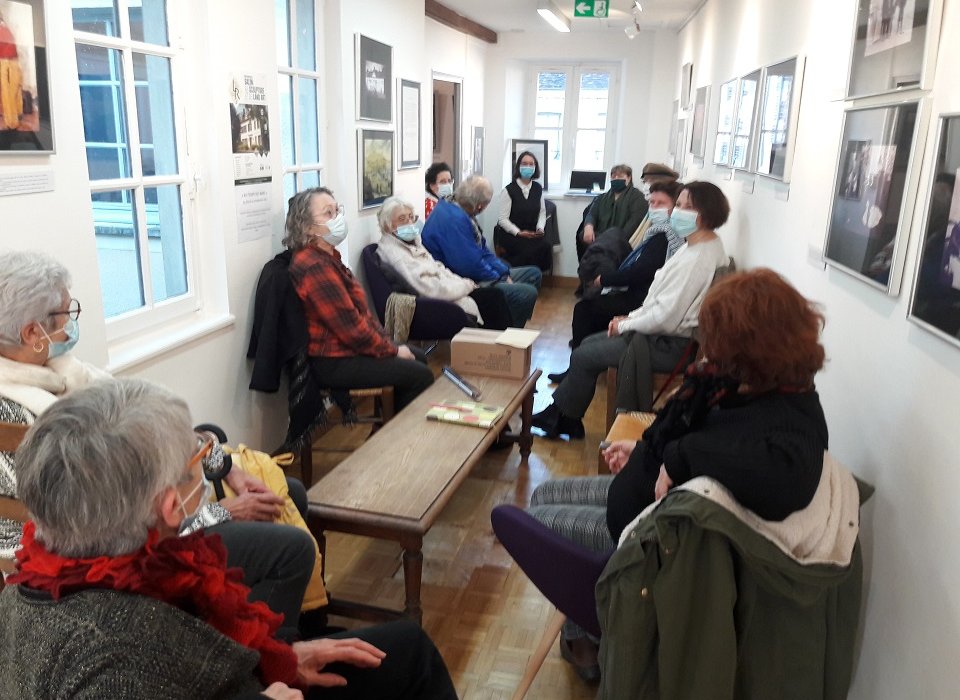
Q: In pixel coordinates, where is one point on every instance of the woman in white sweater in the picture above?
(402, 253)
(666, 320)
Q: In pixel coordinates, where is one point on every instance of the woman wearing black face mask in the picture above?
(622, 206)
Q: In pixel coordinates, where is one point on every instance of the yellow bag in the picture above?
(268, 470)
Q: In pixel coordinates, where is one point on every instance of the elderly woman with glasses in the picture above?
(38, 328)
(348, 347)
(109, 602)
(403, 256)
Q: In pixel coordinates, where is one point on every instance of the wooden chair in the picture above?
(628, 425)
(11, 435)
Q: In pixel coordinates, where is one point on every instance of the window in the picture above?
(299, 89)
(132, 134)
(570, 110)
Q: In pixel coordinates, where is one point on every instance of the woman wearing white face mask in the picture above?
(523, 214)
(348, 347)
(402, 253)
(439, 184)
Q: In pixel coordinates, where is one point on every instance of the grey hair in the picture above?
(92, 465)
(389, 208)
(299, 218)
(31, 286)
(473, 192)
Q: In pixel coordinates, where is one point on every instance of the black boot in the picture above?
(554, 424)
(571, 426)
(558, 377)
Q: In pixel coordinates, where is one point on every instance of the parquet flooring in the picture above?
(480, 609)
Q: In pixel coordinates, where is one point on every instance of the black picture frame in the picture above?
(935, 302)
(30, 130)
(374, 79)
(374, 166)
(540, 148)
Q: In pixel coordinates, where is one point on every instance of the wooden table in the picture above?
(397, 483)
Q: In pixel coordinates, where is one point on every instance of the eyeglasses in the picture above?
(407, 219)
(204, 447)
(329, 213)
(73, 311)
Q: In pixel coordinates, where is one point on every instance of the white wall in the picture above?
(889, 388)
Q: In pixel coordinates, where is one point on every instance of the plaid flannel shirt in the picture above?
(339, 321)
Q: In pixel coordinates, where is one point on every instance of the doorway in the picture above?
(446, 123)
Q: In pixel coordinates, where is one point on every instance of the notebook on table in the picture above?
(465, 413)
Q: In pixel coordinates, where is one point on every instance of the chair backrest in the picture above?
(379, 286)
(11, 435)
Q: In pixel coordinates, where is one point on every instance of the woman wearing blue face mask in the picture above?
(523, 214)
(402, 253)
(438, 181)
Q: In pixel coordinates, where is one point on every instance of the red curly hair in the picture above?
(760, 330)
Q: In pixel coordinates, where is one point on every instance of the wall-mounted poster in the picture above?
(869, 217)
(723, 148)
(374, 80)
(686, 82)
(409, 124)
(476, 138)
(894, 46)
(538, 148)
(26, 123)
(701, 106)
(375, 156)
(777, 122)
(936, 289)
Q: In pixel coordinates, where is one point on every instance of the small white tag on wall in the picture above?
(28, 181)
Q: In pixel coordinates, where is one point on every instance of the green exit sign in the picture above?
(591, 8)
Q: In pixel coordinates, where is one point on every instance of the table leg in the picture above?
(526, 422)
(412, 577)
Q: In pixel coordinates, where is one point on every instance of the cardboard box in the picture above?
(504, 354)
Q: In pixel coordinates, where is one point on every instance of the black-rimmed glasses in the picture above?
(73, 311)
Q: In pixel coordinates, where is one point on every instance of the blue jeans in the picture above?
(521, 294)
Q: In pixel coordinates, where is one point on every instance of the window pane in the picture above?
(740, 146)
(289, 189)
(722, 151)
(104, 113)
(282, 25)
(594, 94)
(589, 154)
(91, 16)
(115, 226)
(309, 178)
(309, 151)
(168, 260)
(287, 141)
(551, 93)
(554, 148)
(148, 21)
(306, 35)
(158, 141)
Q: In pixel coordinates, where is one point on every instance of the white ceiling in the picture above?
(521, 15)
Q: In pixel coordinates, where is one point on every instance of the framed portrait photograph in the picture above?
(409, 124)
(723, 148)
(894, 46)
(701, 107)
(870, 213)
(541, 151)
(935, 304)
(375, 156)
(374, 80)
(26, 119)
(777, 121)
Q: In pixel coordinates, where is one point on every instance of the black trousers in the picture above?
(408, 377)
(493, 307)
(520, 252)
(594, 315)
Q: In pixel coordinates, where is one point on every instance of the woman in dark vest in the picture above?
(519, 234)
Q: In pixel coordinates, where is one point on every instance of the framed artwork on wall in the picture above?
(681, 147)
(777, 121)
(723, 148)
(701, 107)
(875, 178)
(538, 147)
(374, 80)
(686, 80)
(476, 139)
(935, 305)
(674, 115)
(26, 120)
(375, 166)
(894, 46)
(746, 116)
(409, 112)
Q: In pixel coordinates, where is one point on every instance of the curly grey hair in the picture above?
(92, 465)
(32, 285)
(299, 218)
(390, 207)
(473, 192)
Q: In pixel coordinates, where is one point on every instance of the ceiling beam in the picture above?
(444, 15)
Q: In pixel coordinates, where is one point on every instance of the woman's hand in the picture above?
(617, 454)
(588, 234)
(595, 282)
(664, 482)
(530, 234)
(404, 353)
(314, 655)
(613, 329)
(241, 482)
(254, 506)
(281, 691)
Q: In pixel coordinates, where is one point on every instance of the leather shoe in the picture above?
(557, 377)
(554, 424)
(571, 426)
(582, 654)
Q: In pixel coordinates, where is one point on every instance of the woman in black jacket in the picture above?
(523, 216)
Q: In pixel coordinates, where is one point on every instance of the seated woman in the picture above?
(348, 348)
(522, 217)
(438, 181)
(750, 419)
(401, 250)
(38, 328)
(109, 602)
(666, 320)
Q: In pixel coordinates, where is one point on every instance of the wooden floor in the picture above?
(479, 608)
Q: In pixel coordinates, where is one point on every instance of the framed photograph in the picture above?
(723, 148)
(894, 46)
(476, 138)
(409, 124)
(674, 116)
(375, 156)
(701, 107)
(26, 120)
(935, 305)
(374, 80)
(686, 80)
(539, 148)
(870, 213)
(681, 147)
(777, 123)
(746, 117)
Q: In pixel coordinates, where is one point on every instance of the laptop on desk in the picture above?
(587, 183)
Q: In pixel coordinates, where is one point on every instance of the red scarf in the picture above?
(189, 573)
